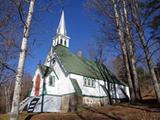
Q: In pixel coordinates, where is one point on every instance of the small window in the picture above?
(85, 81)
(61, 42)
(51, 80)
(53, 61)
(65, 43)
(93, 83)
(89, 82)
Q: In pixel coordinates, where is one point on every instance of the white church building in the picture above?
(66, 80)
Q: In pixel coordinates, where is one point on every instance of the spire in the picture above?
(61, 37)
(62, 27)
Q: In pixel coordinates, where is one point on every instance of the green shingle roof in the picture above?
(76, 87)
(79, 65)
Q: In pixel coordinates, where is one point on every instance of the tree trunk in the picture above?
(124, 49)
(6, 99)
(17, 90)
(139, 28)
(129, 42)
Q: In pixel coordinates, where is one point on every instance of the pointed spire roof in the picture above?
(62, 27)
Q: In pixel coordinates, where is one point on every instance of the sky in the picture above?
(81, 28)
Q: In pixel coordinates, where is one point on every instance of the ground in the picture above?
(123, 111)
(147, 109)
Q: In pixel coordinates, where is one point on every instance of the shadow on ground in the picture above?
(146, 109)
(149, 105)
(30, 116)
(110, 117)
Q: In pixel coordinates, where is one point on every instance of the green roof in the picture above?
(79, 65)
(76, 87)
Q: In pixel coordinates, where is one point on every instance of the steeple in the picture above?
(61, 35)
(62, 27)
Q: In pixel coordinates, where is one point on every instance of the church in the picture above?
(66, 81)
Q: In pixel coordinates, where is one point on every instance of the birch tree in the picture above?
(138, 25)
(123, 48)
(130, 42)
(110, 9)
(17, 90)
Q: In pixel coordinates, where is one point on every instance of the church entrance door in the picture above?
(37, 86)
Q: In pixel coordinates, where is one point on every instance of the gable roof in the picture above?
(79, 65)
(44, 70)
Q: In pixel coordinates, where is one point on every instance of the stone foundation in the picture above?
(65, 103)
(91, 101)
(70, 103)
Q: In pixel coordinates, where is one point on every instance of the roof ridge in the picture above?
(83, 66)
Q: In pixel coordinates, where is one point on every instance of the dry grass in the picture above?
(104, 113)
(23, 116)
(115, 112)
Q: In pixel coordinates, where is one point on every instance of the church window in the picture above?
(51, 80)
(88, 82)
(53, 61)
(85, 81)
(65, 43)
(93, 83)
(61, 42)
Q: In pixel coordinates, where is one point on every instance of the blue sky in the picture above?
(81, 28)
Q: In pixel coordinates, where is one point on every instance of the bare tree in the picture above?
(9, 38)
(6, 94)
(139, 27)
(119, 22)
(129, 43)
(10, 27)
(119, 68)
(26, 85)
(17, 90)
(111, 9)
(7, 89)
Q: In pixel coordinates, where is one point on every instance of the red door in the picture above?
(37, 87)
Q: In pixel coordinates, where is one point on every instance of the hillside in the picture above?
(109, 113)
(147, 109)
(114, 112)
